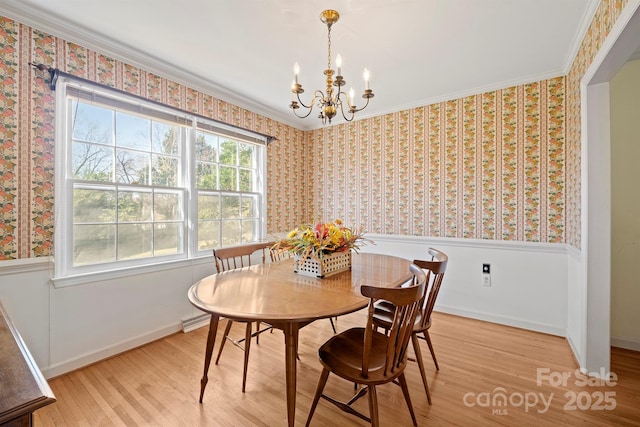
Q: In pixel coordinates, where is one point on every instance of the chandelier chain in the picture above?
(329, 50)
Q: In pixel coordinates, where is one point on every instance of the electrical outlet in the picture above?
(486, 279)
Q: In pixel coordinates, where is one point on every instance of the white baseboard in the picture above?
(574, 349)
(96, 356)
(503, 320)
(196, 322)
(626, 343)
(187, 325)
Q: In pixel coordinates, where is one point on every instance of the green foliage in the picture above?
(145, 217)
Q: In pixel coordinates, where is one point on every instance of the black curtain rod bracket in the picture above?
(53, 73)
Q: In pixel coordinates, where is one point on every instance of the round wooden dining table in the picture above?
(273, 293)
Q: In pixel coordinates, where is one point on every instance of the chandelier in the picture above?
(334, 99)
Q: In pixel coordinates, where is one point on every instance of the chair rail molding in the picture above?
(473, 243)
(25, 265)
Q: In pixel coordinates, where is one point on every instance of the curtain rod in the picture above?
(54, 73)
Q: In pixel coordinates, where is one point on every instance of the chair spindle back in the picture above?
(406, 300)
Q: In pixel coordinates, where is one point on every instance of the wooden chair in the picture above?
(370, 358)
(435, 269)
(278, 254)
(237, 257)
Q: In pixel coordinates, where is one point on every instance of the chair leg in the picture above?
(258, 330)
(297, 352)
(433, 354)
(333, 326)
(405, 390)
(418, 352)
(247, 346)
(373, 406)
(224, 339)
(321, 383)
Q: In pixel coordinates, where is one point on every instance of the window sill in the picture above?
(83, 279)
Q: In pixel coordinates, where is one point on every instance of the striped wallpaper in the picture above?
(27, 134)
(489, 166)
(502, 165)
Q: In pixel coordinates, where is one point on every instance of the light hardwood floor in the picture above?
(158, 384)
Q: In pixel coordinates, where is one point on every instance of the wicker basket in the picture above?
(330, 264)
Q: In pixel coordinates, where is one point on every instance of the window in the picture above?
(145, 184)
(226, 183)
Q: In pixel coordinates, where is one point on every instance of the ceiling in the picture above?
(243, 51)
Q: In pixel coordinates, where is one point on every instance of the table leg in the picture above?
(291, 353)
(211, 339)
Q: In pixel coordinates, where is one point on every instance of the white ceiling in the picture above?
(243, 51)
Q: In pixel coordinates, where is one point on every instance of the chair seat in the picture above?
(385, 306)
(342, 354)
(383, 316)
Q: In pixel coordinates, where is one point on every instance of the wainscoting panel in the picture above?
(72, 326)
(528, 280)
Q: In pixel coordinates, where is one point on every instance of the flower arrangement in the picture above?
(322, 239)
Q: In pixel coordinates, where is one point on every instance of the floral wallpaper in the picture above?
(489, 166)
(502, 165)
(605, 17)
(27, 134)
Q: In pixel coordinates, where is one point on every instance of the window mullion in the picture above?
(188, 144)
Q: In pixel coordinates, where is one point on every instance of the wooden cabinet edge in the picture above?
(46, 397)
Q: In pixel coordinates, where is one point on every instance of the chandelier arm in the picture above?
(355, 110)
(303, 104)
(306, 115)
(316, 95)
(345, 117)
(341, 102)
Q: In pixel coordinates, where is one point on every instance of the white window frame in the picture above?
(65, 274)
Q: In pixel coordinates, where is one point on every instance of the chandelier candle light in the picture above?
(333, 99)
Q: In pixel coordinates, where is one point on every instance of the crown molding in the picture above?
(58, 27)
(585, 23)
